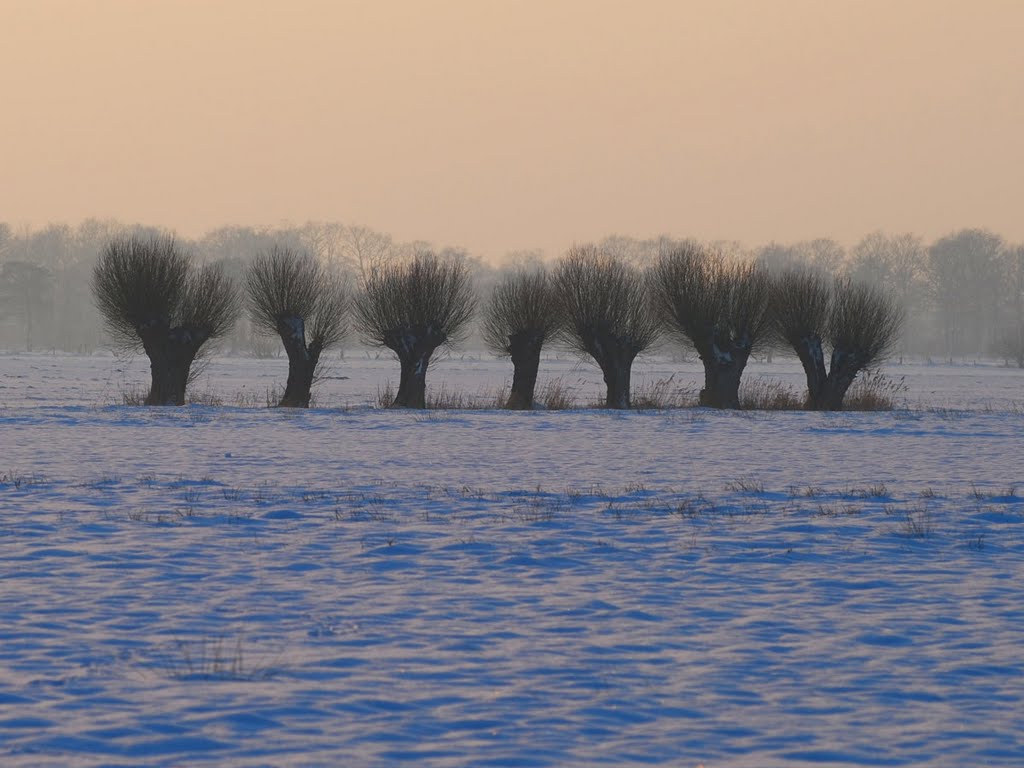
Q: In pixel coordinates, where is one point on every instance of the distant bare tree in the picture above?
(412, 308)
(967, 280)
(801, 310)
(522, 314)
(899, 265)
(292, 295)
(1010, 341)
(151, 296)
(605, 315)
(718, 306)
(26, 291)
(366, 249)
(1010, 344)
(860, 323)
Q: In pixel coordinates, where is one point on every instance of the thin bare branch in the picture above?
(522, 304)
(865, 322)
(426, 292)
(284, 285)
(601, 297)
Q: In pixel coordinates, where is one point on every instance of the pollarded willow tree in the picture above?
(860, 323)
(521, 315)
(605, 315)
(412, 308)
(292, 295)
(718, 306)
(152, 296)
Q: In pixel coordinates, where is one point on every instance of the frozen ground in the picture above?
(347, 586)
(357, 379)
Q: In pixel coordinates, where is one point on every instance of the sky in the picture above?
(503, 126)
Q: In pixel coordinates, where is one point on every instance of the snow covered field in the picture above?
(237, 586)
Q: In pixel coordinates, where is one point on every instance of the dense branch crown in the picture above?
(865, 321)
(284, 285)
(143, 284)
(600, 296)
(801, 305)
(705, 299)
(852, 317)
(426, 293)
(523, 304)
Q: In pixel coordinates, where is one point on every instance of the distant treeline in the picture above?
(963, 294)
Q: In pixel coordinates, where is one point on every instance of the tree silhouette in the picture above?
(522, 314)
(719, 307)
(151, 296)
(292, 295)
(412, 308)
(860, 323)
(605, 315)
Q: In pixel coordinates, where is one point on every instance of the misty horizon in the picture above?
(505, 128)
(963, 294)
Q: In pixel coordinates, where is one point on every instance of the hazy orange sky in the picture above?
(509, 125)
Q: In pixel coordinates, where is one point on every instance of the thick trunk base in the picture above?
(843, 370)
(526, 362)
(170, 361)
(617, 380)
(412, 386)
(169, 383)
(832, 395)
(302, 364)
(722, 385)
(812, 358)
(414, 346)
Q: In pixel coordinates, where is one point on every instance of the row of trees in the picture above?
(963, 294)
(153, 297)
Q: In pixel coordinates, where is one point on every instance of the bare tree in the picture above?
(801, 308)
(899, 264)
(26, 290)
(861, 323)
(522, 314)
(412, 308)
(967, 281)
(1010, 341)
(1010, 344)
(822, 254)
(294, 296)
(605, 315)
(151, 296)
(718, 306)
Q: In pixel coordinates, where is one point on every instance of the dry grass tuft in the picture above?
(874, 391)
(555, 395)
(762, 394)
(663, 394)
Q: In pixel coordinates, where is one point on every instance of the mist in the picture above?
(508, 126)
(963, 293)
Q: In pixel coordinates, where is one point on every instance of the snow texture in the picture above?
(241, 586)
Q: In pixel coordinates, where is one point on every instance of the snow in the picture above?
(349, 586)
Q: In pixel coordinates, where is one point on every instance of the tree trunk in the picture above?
(414, 346)
(28, 325)
(525, 351)
(843, 370)
(723, 369)
(301, 372)
(721, 386)
(617, 374)
(302, 362)
(614, 355)
(813, 360)
(412, 386)
(170, 353)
